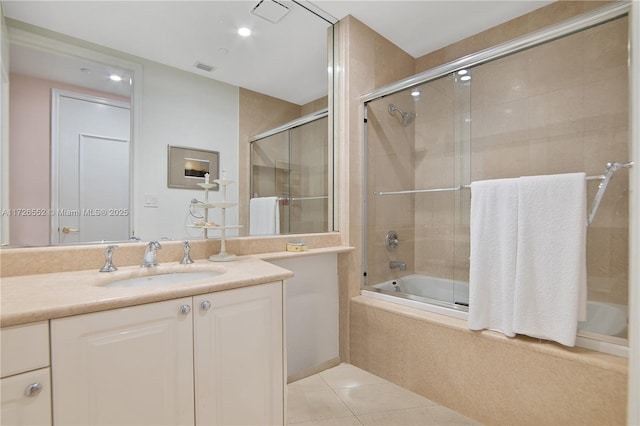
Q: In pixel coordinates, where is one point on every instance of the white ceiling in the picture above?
(181, 33)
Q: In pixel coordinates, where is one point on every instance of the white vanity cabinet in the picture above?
(239, 356)
(25, 385)
(221, 353)
(124, 366)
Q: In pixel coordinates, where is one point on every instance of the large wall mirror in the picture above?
(195, 83)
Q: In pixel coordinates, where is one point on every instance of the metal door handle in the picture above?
(33, 390)
(68, 230)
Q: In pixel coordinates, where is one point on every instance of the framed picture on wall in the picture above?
(188, 166)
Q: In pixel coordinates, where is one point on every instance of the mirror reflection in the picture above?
(113, 200)
(70, 148)
(289, 178)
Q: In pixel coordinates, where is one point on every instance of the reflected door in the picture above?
(90, 169)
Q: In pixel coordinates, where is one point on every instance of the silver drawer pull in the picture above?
(205, 305)
(185, 309)
(33, 389)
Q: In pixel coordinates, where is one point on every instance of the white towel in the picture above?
(551, 285)
(264, 216)
(494, 221)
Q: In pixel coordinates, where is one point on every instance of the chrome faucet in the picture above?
(150, 256)
(108, 262)
(187, 257)
(397, 265)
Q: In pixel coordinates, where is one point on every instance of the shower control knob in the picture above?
(391, 241)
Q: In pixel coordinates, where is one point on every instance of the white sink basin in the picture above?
(162, 279)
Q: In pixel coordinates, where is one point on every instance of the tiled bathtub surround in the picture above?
(485, 375)
(483, 370)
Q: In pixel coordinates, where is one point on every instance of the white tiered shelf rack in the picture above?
(223, 205)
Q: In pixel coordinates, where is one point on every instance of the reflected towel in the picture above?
(264, 216)
(551, 278)
(494, 222)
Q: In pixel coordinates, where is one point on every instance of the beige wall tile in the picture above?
(555, 12)
(490, 379)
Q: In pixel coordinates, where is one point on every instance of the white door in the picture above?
(90, 169)
(238, 344)
(128, 366)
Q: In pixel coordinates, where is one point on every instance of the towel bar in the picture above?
(602, 187)
(321, 197)
(610, 170)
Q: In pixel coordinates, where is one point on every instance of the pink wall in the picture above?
(29, 156)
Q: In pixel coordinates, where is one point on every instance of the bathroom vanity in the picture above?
(206, 351)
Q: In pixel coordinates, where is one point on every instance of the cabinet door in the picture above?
(239, 371)
(26, 398)
(129, 366)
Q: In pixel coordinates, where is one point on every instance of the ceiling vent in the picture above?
(270, 10)
(204, 67)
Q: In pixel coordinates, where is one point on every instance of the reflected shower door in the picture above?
(270, 173)
(293, 165)
(309, 178)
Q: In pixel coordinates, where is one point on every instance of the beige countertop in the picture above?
(280, 255)
(29, 298)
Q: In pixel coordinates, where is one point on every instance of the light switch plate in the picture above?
(150, 200)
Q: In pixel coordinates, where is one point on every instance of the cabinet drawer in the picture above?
(26, 398)
(24, 348)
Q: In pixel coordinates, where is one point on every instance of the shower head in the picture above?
(405, 117)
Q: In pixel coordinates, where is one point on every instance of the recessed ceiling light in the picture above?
(115, 77)
(415, 93)
(465, 78)
(462, 72)
(244, 32)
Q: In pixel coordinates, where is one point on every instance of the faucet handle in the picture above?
(150, 258)
(108, 255)
(186, 260)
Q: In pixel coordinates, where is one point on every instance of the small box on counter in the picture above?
(300, 246)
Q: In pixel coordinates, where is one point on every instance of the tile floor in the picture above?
(347, 395)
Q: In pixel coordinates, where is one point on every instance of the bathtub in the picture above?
(605, 321)
(439, 295)
(605, 318)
